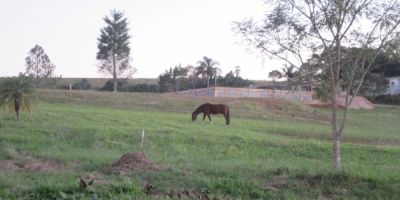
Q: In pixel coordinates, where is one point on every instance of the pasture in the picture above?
(270, 150)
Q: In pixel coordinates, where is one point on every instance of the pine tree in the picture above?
(114, 50)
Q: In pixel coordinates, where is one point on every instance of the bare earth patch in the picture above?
(31, 165)
(132, 162)
(358, 102)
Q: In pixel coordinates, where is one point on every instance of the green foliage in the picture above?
(124, 86)
(144, 87)
(17, 92)
(82, 85)
(174, 79)
(386, 99)
(275, 74)
(165, 81)
(207, 69)
(231, 80)
(113, 47)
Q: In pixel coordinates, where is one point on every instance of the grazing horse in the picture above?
(209, 108)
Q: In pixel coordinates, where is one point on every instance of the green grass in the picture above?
(270, 150)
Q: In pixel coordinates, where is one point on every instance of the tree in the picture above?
(165, 80)
(17, 94)
(38, 65)
(231, 80)
(294, 30)
(237, 71)
(192, 75)
(274, 74)
(113, 48)
(179, 73)
(206, 68)
(289, 72)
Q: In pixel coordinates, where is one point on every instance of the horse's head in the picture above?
(194, 116)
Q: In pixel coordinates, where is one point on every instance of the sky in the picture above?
(163, 34)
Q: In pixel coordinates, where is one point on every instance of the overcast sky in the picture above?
(164, 33)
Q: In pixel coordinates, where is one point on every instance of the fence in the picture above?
(296, 96)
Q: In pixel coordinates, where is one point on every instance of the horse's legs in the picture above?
(204, 116)
(208, 115)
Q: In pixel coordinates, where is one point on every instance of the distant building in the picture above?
(393, 86)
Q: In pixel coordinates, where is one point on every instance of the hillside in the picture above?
(271, 150)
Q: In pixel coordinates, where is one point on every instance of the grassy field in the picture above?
(271, 150)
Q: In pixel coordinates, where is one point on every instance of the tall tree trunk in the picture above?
(176, 84)
(16, 107)
(215, 81)
(208, 81)
(335, 134)
(114, 74)
(37, 75)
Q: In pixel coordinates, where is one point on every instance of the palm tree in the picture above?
(217, 71)
(290, 73)
(206, 68)
(17, 94)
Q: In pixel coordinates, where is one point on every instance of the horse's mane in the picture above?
(200, 108)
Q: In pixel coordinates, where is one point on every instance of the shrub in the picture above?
(82, 85)
(155, 88)
(386, 99)
(122, 86)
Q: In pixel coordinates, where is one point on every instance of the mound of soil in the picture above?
(357, 103)
(132, 162)
(31, 165)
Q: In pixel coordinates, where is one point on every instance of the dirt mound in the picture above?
(132, 162)
(357, 103)
(31, 165)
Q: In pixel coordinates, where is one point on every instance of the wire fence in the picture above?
(296, 96)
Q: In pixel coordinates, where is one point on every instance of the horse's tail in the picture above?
(228, 118)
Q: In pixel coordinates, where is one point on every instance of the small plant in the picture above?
(17, 94)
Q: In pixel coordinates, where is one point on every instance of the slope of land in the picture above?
(271, 150)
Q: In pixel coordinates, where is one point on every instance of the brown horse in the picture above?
(209, 108)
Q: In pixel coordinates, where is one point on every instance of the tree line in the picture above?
(204, 75)
(114, 60)
(313, 72)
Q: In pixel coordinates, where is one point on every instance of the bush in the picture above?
(82, 85)
(155, 88)
(386, 99)
(122, 86)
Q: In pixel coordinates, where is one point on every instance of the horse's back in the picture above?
(218, 108)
